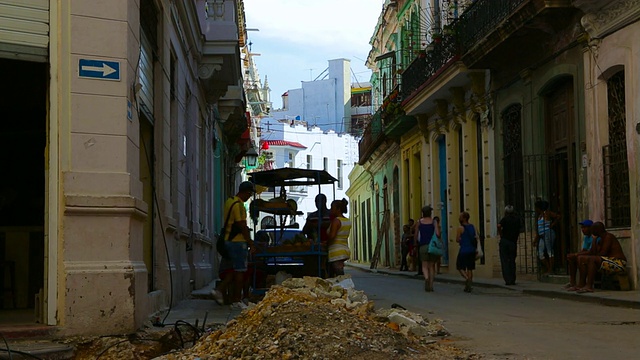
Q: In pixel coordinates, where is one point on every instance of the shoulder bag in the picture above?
(436, 247)
(221, 242)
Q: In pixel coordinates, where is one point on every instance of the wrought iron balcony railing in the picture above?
(428, 64)
(482, 17)
(373, 133)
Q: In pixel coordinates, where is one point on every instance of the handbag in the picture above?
(221, 244)
(435, 246)
(479, 252)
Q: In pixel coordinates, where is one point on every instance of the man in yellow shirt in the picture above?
(238, 240)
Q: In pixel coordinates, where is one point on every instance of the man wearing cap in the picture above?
(605, 256)
(572, 259)
(238, 239)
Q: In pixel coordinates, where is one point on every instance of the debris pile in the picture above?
(313, 318)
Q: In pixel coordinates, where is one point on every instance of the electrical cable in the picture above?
(164, 237)
(21, 353)
(7, 345)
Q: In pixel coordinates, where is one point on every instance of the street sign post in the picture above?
(99, 69)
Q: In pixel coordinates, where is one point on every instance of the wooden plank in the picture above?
(24, 13)
(17, 38)
(24, 26)
(33, 4)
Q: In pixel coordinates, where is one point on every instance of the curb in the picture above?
(585, 298)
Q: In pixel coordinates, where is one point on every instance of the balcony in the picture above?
(429, 65)
(219, 68)
(396, 123)
(491, 33)
(371, 138)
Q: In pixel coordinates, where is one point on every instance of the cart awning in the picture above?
(291, 177)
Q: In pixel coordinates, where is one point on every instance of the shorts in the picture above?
(425, 256)
(613, 266)
(546, 242)
(238, 253)
(466, 261)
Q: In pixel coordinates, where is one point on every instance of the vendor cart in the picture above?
(280, 247)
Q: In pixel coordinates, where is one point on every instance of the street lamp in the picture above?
(251, 157)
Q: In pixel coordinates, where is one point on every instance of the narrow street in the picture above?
(503, 324)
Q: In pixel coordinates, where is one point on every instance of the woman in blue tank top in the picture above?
(424, 232)
(467, 237)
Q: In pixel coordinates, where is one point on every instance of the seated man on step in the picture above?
(572, 258)
(605, 256)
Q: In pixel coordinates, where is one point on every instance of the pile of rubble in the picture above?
(313, 318)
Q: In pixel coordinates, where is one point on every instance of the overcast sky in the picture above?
(296, 38)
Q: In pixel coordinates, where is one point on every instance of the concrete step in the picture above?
(48, 350)
(554, 279)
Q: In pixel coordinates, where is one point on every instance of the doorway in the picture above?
(23, 138)
(442, 173)
(560, 146)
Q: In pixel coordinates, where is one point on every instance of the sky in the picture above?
(296, 38)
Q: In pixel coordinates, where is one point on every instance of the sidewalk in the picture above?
(628, 299)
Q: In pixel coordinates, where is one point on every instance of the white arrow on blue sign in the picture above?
(99, 69)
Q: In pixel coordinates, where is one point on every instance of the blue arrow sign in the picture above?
(99, 69)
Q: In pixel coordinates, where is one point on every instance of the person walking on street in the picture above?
(425, 230)
(238, 240)
(467, 237)
(509, 231)
(339, 237)
(404, 247)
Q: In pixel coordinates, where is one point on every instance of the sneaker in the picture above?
(217, 296)
(238, 306)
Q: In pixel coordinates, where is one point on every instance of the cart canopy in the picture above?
(291, 177)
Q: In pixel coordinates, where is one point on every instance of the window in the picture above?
(616, 166)
(325, 164)
(339, 173)
(290, 158)
(309, 161)
(513, 161)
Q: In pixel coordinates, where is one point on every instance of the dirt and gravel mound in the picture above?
(313, 318)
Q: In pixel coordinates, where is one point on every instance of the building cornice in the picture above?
(604, 17)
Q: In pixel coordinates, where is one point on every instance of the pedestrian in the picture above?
(546, 236)
(467, 237)
(509, 231)
(425, 230)
(404, 247)
(238, 240)
(339, 237)
(573, 258)
(417, 259)
(605, 257)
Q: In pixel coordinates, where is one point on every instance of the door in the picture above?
(23, 140)
(442, 168)
(560, 149)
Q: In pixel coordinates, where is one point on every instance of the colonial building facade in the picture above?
(127, 123)
(509, 103)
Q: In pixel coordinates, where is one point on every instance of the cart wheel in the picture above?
(268, 222)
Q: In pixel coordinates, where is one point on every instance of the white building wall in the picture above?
(324, 103)
(320, 145)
